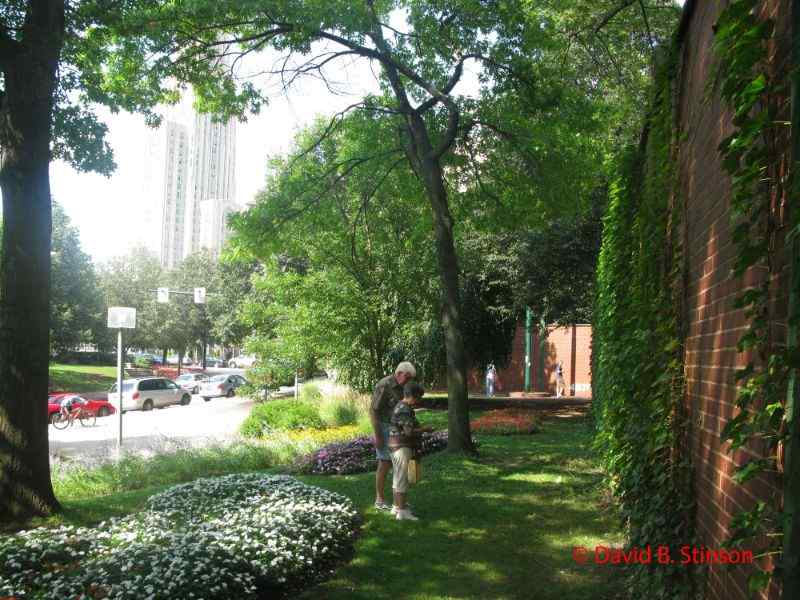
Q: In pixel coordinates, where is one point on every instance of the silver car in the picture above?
(221, 385)
(244, 361)
(191, 382)
(148, 393)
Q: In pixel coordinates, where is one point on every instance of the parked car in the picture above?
(191, 382)
(244, 361)
(173, 360)
(214, 362)
(146, 359)
(102, 408)
(148, 393)
(221, 385)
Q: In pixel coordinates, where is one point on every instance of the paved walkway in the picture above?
(489, 402)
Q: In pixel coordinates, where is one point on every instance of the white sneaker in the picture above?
(405, 515)
(395, 509)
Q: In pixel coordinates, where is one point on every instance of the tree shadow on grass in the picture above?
(501, 526)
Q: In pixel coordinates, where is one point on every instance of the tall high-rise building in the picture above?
(212, 193)
(165, 186)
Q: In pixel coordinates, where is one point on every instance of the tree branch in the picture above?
(350, 165)
(450, 133)
(448, 87)
(647, 24)
(606, 18)
(324, 135)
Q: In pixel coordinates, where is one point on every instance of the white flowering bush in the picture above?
(238, 536)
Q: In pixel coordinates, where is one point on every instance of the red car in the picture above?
(102, 407)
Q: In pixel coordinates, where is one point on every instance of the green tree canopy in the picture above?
(129, 280)
(342, 279)
(76, 302)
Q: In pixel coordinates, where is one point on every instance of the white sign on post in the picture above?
(121, 317)
(200, 295)
(163, 295)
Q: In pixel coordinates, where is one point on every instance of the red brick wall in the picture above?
(570, 344)
(713, 324)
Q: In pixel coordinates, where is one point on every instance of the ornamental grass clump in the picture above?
(337, 411)
(506, 422)
(358, 455)
(240, 536)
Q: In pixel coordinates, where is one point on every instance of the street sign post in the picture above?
(119, 318)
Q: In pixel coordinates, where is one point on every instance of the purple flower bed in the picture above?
(358, 455)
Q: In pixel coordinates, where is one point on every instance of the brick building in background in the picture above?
(570, 344)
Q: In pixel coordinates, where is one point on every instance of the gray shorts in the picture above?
(384, 453)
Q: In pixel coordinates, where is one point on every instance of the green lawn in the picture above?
(81, 378)
(500, 527)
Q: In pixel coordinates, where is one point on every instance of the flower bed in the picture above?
(324, 436)
(238, 536)
(358, 455)
(508, 421)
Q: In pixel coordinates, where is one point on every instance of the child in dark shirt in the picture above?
(405, 438)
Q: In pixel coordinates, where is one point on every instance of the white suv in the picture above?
(148, 393)
(245, 361)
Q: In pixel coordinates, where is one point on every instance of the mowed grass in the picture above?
(81, 378)
(502, 526)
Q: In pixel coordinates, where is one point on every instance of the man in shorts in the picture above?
(388, 392)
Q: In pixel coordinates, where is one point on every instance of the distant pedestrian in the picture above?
(388, 392)
(560, 385)
(491, 378)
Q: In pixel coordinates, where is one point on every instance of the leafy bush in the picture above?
(506, 422)
(73, 357)
(143, 361)
(270, 374)
(281, 415)
(310, 393)
(358, 455)
(239, 536)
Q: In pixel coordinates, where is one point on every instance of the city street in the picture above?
(199, 423)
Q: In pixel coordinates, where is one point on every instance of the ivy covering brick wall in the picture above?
(638, 370)
(690, 362)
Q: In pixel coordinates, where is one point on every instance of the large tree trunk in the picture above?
(29, 69)
(430, 171)
(459, 439)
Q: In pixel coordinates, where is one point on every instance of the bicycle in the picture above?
(62, 419)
